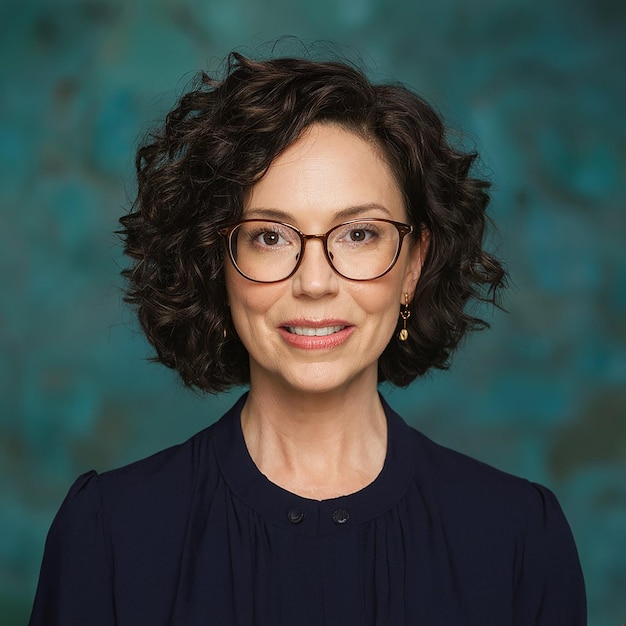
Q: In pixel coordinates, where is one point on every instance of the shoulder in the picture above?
(499, 526)
(475, 496)
(160, 486)
(448, 473)
(165, 477)
(152, 488)
(457, 475)
(163, 468)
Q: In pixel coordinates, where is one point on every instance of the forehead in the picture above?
(327, 171)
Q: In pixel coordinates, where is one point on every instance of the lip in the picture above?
(334, 333)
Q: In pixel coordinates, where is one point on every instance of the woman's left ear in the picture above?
(418, 252)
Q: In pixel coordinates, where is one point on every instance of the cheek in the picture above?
(249, 302)
(380, 302)
(383, 295)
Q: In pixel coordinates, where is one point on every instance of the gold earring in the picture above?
(403, 335)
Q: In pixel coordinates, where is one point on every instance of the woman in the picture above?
(304, 232)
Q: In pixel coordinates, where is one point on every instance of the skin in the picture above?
(313, 422)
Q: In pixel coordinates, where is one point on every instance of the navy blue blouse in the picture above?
(197, 535)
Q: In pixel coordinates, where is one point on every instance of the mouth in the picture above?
(308, 331)
(316, 334)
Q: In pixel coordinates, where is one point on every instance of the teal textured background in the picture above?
(539, 87)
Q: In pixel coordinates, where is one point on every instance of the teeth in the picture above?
(314, 332)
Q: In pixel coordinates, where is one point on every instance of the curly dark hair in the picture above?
(193, 176)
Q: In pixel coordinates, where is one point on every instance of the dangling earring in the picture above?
(225, 332)
(403, 335)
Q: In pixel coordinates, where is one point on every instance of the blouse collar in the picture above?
(304, 515)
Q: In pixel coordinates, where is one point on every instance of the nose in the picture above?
(315, 277)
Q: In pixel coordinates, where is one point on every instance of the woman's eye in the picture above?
(358, 234)
(270, 238)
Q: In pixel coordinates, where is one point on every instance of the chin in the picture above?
(321, 378)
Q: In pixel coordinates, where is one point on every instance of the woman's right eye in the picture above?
(269, 238)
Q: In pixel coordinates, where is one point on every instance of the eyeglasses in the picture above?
(267, 251)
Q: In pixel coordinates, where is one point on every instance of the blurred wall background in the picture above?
(539, 87)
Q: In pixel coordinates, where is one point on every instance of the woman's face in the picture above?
(328, 176)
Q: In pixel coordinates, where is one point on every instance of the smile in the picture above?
(305, 335)
(307, 331)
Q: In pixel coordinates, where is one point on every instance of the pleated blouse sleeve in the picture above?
(75, 582)
(550, 588)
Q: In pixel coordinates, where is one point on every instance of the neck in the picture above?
(318, 445)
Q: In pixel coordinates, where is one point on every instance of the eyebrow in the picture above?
(347, 213)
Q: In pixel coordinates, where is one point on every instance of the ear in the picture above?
(417, 256)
